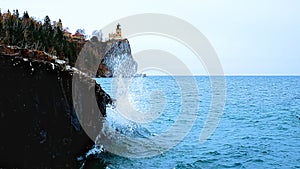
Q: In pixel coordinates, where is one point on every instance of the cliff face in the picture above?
(118, 59)
(39, 126)
(114, 57)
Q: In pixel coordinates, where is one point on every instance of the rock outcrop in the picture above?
(107, 59)
(118, 59)
(38, 124)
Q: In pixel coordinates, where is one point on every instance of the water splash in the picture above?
(119, 59)
(123, 117)
(127, 102)
(121, 65)
(95, 151)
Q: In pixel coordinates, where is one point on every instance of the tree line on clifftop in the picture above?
(26, 32)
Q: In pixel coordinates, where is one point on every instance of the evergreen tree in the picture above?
(28, 33)
(47, 23)
(25, 15)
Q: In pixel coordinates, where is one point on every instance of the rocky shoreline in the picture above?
(39, 126)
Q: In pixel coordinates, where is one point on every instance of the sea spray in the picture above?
(119, 61)
(129, 95)
(94, 152)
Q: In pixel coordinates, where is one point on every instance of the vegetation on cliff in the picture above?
(28, 38)
(28, 33)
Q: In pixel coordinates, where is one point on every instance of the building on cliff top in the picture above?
(117, 35)
(67, 34)
(78, 37)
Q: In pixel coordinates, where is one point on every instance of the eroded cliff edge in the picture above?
(107, 59)
(39, 127)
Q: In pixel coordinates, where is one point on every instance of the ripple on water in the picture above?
(209, 164)
(203, 163)
(212, 153)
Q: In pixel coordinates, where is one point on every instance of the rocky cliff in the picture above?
(118, 59)
(38, 125)
(107, 59)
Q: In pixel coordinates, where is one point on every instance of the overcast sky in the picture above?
(251, 37)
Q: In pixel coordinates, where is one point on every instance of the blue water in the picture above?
(259, 128)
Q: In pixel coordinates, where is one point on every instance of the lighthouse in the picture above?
(117, 35)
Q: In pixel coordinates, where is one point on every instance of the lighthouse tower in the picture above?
(117, 35)
(118, 32)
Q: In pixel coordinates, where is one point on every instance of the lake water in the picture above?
(259, 128)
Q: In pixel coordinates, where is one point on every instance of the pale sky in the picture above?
(251, 37)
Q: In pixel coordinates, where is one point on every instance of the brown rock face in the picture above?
(104, 59)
